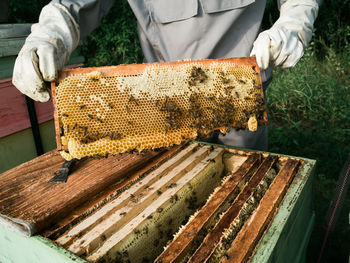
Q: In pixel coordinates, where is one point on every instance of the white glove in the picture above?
(284, 43)
(45, 51)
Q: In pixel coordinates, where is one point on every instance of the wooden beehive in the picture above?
(202, 202)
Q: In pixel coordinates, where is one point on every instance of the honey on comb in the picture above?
(159, 107)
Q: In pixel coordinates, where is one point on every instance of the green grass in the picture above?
(309, 114)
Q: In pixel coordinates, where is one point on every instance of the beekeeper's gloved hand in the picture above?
(45, 51)
(284, 43)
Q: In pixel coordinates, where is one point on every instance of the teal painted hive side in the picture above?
(18, 249)
(288, 235)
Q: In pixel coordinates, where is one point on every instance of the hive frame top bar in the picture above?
(134, 69)
(138, 69)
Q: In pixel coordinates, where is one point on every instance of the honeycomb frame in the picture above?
(102, 110)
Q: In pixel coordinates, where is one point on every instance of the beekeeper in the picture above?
(171, 30)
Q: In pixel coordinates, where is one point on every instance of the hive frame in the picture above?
(136, 69)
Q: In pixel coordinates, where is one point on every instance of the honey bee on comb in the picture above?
(147, 106)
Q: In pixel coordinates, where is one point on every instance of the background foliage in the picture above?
(309, 105)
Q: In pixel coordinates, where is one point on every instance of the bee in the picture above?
(82, 106)
(157, 103)
(225, 81)
(122, 214)
(156, 242)
(79, 235)
(109, 105)
(192, 82)
(136, 231)
(125, 253)
(90, 116)
(67, 128)
(85, 130)
(94, 79)
(65, 115)
(159, 192)
(127, 108)
(84, 141)
(74, 126)
(173, 198)
(149, 217)
(111, 136)
(134, 100)
(159, 209)
(242, 81)
(129, 122)
(237, 94)
(61, 131)
(172, 185)
(117, 136)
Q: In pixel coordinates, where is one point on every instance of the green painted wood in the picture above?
(14, 30)
(18, 249)
(287, 237)
(19, 147)
(6, 66)
(7, 63)
(11, 46)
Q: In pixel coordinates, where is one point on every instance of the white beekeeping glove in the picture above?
(284, 43)
(45, 51)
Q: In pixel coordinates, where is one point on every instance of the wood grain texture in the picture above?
(178, 248)
(135, 69)
(209, 244)
(92, 205)
(25, 193)
(250, 234)
(55, 114)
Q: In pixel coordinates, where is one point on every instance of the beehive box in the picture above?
(109, 110)
(201, 202)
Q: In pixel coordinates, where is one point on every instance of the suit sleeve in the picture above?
(87, 13)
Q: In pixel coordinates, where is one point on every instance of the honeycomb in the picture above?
(111, 110)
